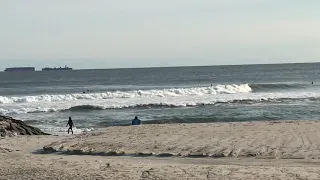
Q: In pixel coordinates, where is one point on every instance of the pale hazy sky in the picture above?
(142, 33)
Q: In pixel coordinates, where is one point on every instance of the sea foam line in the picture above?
(172, 92)
(94, 107)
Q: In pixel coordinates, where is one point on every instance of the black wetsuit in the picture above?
(70, 123)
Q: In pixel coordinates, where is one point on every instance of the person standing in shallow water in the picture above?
(70, 123)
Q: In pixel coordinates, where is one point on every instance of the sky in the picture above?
(146, 33)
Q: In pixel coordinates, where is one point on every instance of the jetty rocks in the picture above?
(12, 127)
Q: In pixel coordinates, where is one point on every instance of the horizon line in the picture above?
(181, 66)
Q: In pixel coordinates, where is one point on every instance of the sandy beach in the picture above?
(248, 150)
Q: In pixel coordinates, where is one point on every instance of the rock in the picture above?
(13, 127)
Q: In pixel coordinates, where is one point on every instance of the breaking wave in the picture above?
(172, 92)
(137, 106)
(85, 108)
(168, 105)
(243, 94)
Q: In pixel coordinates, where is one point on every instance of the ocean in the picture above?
(161, 95)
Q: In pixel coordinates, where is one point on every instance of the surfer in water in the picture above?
(312, 82)
(70, 123)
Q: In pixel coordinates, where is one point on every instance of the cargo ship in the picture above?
(56, 69)
(20, 69)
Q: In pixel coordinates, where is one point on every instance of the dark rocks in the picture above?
(12, 127)
(49, 149)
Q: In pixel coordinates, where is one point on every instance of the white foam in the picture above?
(178, 101)
(173, 92)
(63, 130)
(179, 97)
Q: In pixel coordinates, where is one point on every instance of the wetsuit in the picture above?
(70, 123)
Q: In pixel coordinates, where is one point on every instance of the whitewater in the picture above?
(173, 97)
(219, 89)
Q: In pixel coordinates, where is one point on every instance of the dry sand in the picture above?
(250, 150)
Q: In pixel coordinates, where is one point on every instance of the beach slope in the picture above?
(247, 150)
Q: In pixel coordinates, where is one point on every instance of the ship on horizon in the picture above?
(56, 69)
(20, 69)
